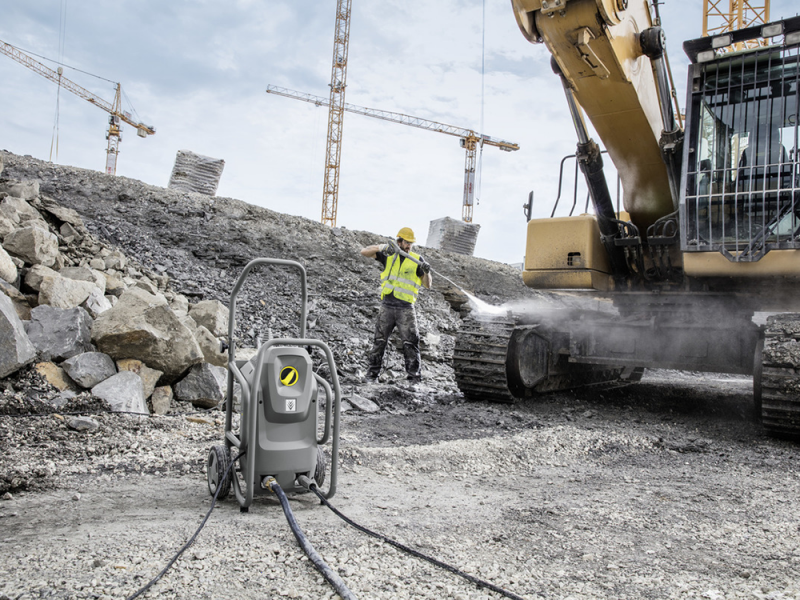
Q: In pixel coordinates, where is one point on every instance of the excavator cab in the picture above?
(741, 193)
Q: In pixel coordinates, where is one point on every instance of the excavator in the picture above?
(710, 232)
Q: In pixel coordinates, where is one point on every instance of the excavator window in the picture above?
(741, 191)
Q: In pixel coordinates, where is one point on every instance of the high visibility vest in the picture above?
(400, 277)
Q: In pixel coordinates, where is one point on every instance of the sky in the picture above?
(198, 70)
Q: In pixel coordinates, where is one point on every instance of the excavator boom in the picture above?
(599, 54)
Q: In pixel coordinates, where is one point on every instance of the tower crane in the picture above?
(333, 148)
(724, 16)
(470, 140)
(117, 116)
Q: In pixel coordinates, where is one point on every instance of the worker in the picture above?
(401, 280)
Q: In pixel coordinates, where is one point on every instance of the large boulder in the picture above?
(142, 326)
(63, 214)
(26, 213)
(56, 376)
(8, 270)
(204, 386)
(148, 376)
(96, 304)
(85, 274)
(27, 190)
(211, 347)
(7, 224)
(213, 315)
(161, 400)
(114, 284)
(33, 244)
(18, 299)
(62, 292)
(89, 368)
(123, 392)
(16, 349)
(36, 275)
(59, 334)
(115, 260)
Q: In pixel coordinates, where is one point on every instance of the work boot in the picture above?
(413, 378)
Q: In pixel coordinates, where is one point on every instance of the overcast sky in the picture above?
(198, 69)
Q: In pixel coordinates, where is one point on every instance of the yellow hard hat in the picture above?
(407, 234)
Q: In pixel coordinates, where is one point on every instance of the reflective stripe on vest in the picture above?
(400, 277)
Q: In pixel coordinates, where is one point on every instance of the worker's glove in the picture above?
(426, 268)
(387, 249)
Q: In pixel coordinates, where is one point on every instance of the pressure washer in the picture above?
(280, 406)
(276, 445)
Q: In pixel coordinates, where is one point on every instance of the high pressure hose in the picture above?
(312, 554)
(309, 484)
(152, 582)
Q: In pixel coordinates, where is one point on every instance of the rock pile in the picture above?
(189, 250)
(90, 319)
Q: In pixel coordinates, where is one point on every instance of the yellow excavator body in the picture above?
(712, 234)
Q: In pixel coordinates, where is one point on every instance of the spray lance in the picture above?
(395, 249)
(479, 304)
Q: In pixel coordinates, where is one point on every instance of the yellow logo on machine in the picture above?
(289, 376)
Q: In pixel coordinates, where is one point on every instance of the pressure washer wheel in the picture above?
(319, 472)
(219, 459)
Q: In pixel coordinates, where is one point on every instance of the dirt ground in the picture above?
(665, 488)
(661, 489)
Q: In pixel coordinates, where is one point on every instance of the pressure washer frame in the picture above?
(252, 393)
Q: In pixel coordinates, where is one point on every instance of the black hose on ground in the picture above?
(329, 574)
(152, 582)
(479, 582)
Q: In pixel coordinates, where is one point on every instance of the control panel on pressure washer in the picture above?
(289, 377)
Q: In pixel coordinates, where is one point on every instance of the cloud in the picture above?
(198, 70)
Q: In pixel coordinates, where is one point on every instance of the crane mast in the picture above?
(470, 140)
(333, 149)
(115, 109)
(724, 16)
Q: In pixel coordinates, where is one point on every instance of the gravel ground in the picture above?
(662, 489)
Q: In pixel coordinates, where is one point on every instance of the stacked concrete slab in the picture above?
(453, 235)
(196, 173)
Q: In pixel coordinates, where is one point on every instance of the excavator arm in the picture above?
(597, 47)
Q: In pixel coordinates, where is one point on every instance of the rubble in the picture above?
(143, 275)
(150, 377)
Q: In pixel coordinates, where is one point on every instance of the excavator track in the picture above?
(776, 383)
(501, 360)
(479, 359)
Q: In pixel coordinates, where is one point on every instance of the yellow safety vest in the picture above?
(400, 277)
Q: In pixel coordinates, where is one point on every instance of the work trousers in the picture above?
(405, 319)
